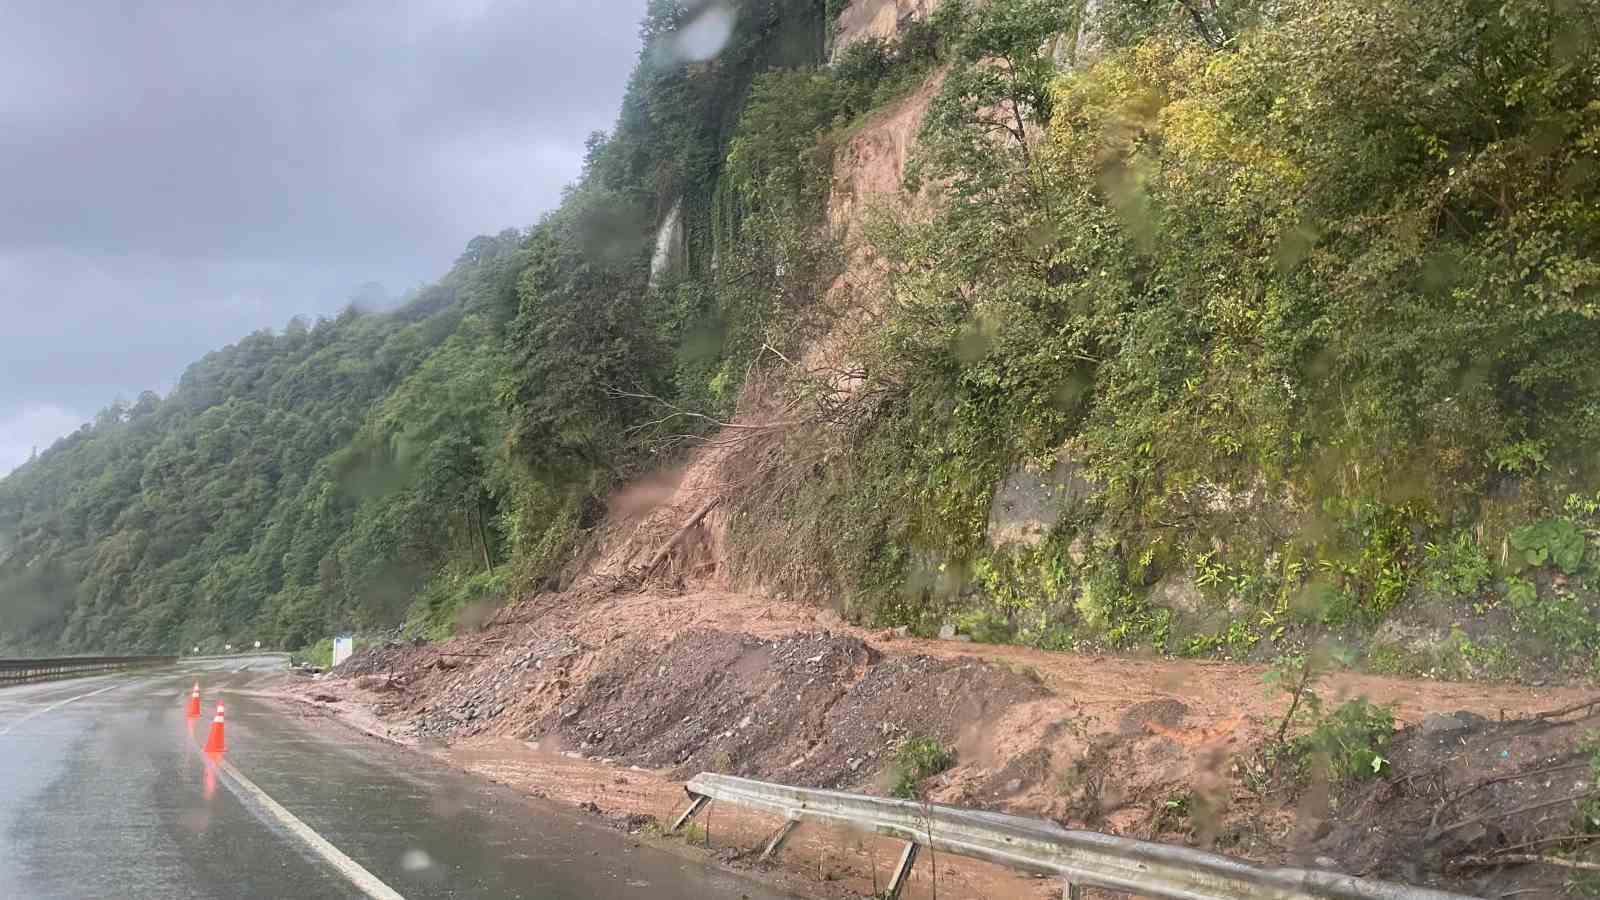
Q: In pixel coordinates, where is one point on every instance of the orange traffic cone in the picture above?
(194, 702)
(214, 743)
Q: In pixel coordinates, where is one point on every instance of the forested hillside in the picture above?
(376, 469)
(289, 482)
(1206, 325)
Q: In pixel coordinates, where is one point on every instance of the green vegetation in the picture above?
(1313, 333)
(1350, 740)
(1292, 320)
(1457, 657)
(918, 758)
(1345, 743)
(1295, 676)
(293, 483)
(1465, 659)
(1559, 617)
(319, 654)
(1457, 567)
(1557, 542)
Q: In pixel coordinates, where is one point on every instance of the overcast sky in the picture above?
(175, 175)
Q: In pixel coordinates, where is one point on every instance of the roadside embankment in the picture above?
(612, 700)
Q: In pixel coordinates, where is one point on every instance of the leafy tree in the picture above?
(583, 356)
(996, 94)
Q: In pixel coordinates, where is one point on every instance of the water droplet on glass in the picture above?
(704, 36)
(416, 860)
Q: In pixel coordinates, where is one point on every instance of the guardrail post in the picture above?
(775, 843)
(695, 805)
(1070, 891)
(902, 871)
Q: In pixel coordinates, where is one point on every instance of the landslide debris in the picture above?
(815, 708)
(713, 680)
(1466, 800)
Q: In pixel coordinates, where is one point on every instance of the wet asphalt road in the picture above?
(104, 793)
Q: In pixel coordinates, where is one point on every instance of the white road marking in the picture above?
(349, 868)
(55, 706)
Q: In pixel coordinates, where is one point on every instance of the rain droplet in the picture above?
(416, 860)
(705, 35)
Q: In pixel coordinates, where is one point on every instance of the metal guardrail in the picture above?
(1080, 858)
(240, 655)
(15, 671)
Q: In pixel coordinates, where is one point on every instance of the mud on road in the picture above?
(612, 700)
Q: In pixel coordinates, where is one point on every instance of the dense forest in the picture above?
(376, 469)
(1292, 303)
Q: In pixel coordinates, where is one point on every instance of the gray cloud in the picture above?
(175, 175)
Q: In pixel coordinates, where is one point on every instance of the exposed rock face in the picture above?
(1028, 504)
(863, 19)
(668, 255)
(1090, 41)
(1178, 593)
(1193, 613)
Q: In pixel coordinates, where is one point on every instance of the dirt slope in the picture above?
(686, 501)
(882, 19)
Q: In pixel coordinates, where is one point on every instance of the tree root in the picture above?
(677, 538)
(1512, 858)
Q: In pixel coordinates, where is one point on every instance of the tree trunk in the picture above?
(483, 538)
